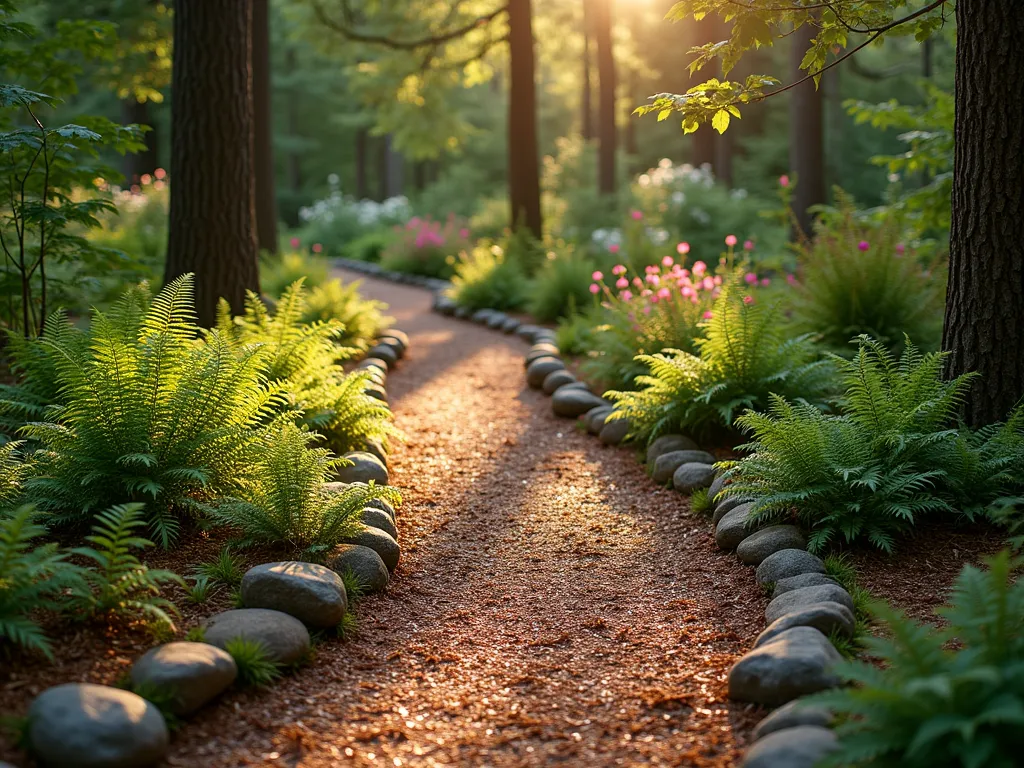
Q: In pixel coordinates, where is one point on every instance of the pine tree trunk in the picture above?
(266, 195)
(213, 201)
(523, 148)
(984, 329)
(806, 135)
(587, 97)
(395, 170)
(135, 166)
(362, 190)
(606, 127)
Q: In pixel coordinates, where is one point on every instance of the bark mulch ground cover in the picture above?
(552, 606)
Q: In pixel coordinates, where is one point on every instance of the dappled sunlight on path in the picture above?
(552, 604)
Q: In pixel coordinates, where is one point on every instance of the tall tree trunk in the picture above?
(382, 169)
(984, 330)
(362, 190)
(806, 135)
(146, 161)
(266, 196)
(213, 197)
(395, 169)
(631, 146)
(927, 48)
(523, 148)
(703, 147)
(587, 97)
(294, 158)
(606, 127)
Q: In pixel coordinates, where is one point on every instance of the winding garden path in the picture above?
(553, 606)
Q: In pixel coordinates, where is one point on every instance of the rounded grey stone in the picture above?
(526, 331)
(385, 353)
(374, 362)
(614, 431)
(539, 369)
(556, 380)
(380, 542)
(786, 563)
(667, 463)
(732, 529)
(377, 392)
(582, 385)
(717, 486)
(510, 325)
(378, 518)
(313, 594)
(795, 663)
(364, 467)
(825, 617)
(800, 581)
(572, 403)
(462, 313)
(767, 541)
(376, 447)
(596, 417)
(692, 476)
(363, 562)
(668, 444)
(727, 505)
(801, 747)
(804, 597)
(401, 337)
(482, 316)
(393, 344)
(796, 713)
(497, 321)
(191, 674)
(95, 726)
(284, 638)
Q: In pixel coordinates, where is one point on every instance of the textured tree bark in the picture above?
(212, 219)
(607, 130)
(137, 113)
(523, 149)
(984, 324)
(295, 179)
(361, 148)
(395, 170)
(266, 195)
(587, 97)
(806, 135)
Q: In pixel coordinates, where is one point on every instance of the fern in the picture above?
(147, 412)
(283, 499)
(304, 361)
(119, 584)
(888, 459)
(741, 361)
(361, 318)
(934, 705)
(13, 471)
(486, 278)
(32, 578)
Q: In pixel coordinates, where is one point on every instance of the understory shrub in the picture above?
(362, 319)
(485, 278)
(284, 500)
(303, 362)
(427, 247)
(857, 279)
(888, 458)
(279, 272)
(33, 578)
(950, 696)
(561, 286)
(741, 361)
(146, 412)
(337, 220)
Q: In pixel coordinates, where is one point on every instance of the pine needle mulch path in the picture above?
(552, 606)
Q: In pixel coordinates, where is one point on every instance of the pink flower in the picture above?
(638, 282)
(653, 279)
(294, 242)
(464, 233)
(748, 245)
(664, 293)
(783, 181)
(699, 268)
(637, 215)
(750, 278)
(613, 248)
(791, 279)
(748, 299)
(863, 245)
(625, 295)
(765, 281)
(622, 283)
(900, 248)
(730, 240)
(619, 269)
(718, 280)
(708, 283)
(597, 277)
(160, 173)
(683, 248)
(686, 291)
(668, 261)
(317, 248)
(708, 315)
(595, 288)
(647, 310)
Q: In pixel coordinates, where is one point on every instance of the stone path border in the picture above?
(99, 726)
(793, 657)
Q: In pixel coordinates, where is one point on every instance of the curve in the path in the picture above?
(553, 606)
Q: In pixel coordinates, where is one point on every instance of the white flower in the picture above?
(678, 197)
